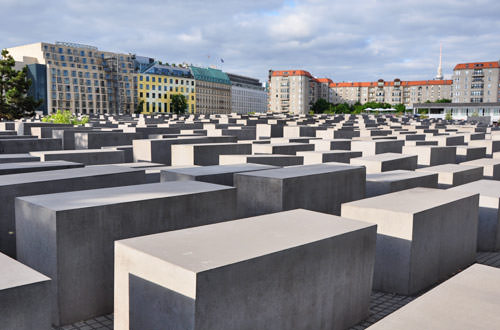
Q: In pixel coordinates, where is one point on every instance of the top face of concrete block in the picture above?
(303, 170)
(119, 195)
(447, 168)
(14, 179)
(489, 188)
(468, 300)
(65, 152)
(16, 274)
(482, 162)
(383, 157)
(396, 175)
(410, 201)
(10, 156)
(207, 247)
(51, 163)
(221, 169)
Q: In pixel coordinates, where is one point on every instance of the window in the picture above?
(140, 78)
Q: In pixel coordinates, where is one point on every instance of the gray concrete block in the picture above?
(321, 188)
(97, 140)
(217, 174)
(468, 300)
(392, 181)
(386, 162)
(282, 148)
(491, 145)
(159, 150)
(206, 154)
(21, 146)
(373, 147)
(423, 236)
(17, 158)
(128, 152)
(432, 156)
(491, 167)
(216, 277)
(86, 156)
(318, 157)
(465, 153)
(488, 234)
(275, 160)
(451, 175)
(26, 167)
(35, 183)
(24, 297)
(331, 144)
(69, 236)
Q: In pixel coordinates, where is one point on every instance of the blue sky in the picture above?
(360, 40)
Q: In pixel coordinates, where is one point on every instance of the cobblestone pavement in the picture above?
(382, 304)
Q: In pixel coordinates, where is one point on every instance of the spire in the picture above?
(440, 67)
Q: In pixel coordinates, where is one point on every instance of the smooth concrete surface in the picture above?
(96, 140)
(392, 181)
(21, 146)
(319, 157)
(290, 270)
(86, 156)
(321, 188)
(35, 183)
(274, 160)
(432, 155)
(17, 158)
(467, 301)
(69, 236)
(424, 236)
(206, 154)
(217, 174)
(465, 153)
(26, 167)
(386, 162)
(491, 167)
(24, 297)
(488, 233)
(282, 148)
(374, 147)
(331, 144)
(159, 150)
(451, 175)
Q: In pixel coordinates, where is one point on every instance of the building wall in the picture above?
(291, 91)
(245, 99)
(82, 78)
(476, 82)
(156, 91)
(213, 91)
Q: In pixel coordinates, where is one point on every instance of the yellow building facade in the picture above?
(158, 83)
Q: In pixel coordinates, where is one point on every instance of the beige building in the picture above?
(392, 92)
(83, 79)
(213, 90)
(292, 91)
(476, 82)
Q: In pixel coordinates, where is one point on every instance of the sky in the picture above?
(363, 40)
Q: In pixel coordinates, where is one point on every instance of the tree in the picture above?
(140, 107)
(448, 116)
(400, 107)
(65, 117)
(443, 101)
(15, 102)
(320, 106)
(179, 104)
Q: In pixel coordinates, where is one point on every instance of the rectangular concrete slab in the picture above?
(321, 188)
(35, 183)
(69, 236)
(275, 160)
(206, 154)
(468, 300)
(423, 236)
(491, 167)
(319, 157)
(86, 156)
(17, 158)
(266, 272)
(431, 155)
(25, 167)
(24, 297)
(386, 162)
(451, 175)
(392, 181)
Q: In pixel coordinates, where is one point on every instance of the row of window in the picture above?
(165, 80)
(153, 96)
(168, 88)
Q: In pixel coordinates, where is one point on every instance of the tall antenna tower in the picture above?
(440, 67)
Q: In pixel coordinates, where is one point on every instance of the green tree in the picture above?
(320, 106)
(448, 116)
(15, 102)
(140, 107)
(179, 104)
(400, 108)
(65, 117)
(443, 101)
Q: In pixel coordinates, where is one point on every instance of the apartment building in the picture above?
(392, 92)
(157, 83)
(292, 91)
(324, 90)
(213, 90)
(82, 78)
(476, 82)
(247, 94)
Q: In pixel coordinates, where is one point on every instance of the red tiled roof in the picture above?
(292, 73)
(324, 80)
(477, 65)
(391, 83)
